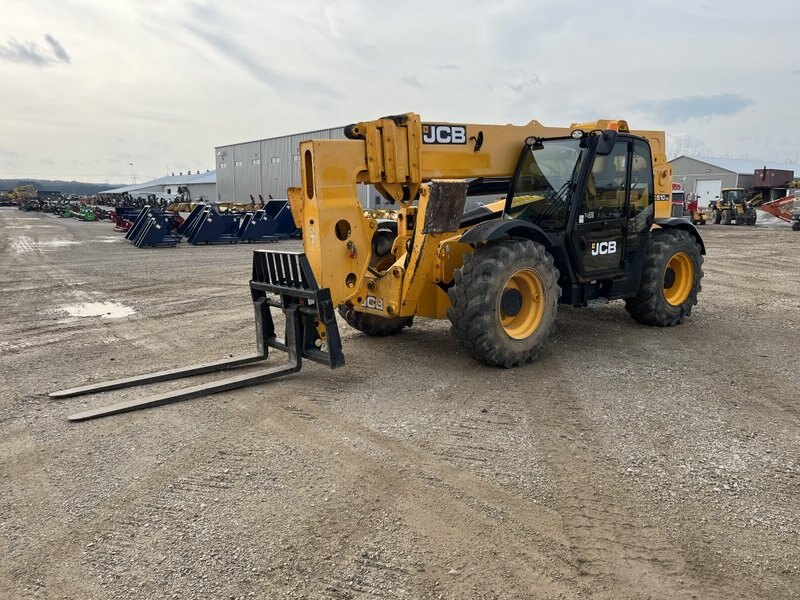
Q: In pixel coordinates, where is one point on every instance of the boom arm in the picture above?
(397, 155)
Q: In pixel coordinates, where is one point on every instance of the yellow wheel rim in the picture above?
(678, 279)
(521, 304)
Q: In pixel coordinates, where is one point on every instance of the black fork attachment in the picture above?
(311, 332)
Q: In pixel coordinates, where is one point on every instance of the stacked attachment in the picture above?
(206, 225)
(154, 228)
(124, 217)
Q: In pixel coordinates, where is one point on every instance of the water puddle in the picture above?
(104, 310)
(29, 226)
(24, 244)
(57, 243)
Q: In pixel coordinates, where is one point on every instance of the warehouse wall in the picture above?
(688, 171)
(745, 181)
(207, 191)
(226, 188)
(246, 171)
(269, 167)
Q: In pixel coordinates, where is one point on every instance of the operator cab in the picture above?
(734, 195)
(593, 196)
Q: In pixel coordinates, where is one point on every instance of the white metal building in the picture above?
(269, 166)
(195, 187)
(706, 176)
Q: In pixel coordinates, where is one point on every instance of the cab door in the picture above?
(598, 237)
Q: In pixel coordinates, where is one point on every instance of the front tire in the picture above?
(504, 301)
(374, 325)
(671, 276)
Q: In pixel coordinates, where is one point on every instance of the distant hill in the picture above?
(65, 187)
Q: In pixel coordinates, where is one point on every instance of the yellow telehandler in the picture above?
(584, 218)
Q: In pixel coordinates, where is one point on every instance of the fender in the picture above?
(679, 223)
(496, 228)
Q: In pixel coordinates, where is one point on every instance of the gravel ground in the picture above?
(628, 462)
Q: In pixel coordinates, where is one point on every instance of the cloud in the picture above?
(520, 85)
(413, 81)
(22, 53)
(58, 49)
(249, 60)
(695, 107)
(32, 54)
(685, 144)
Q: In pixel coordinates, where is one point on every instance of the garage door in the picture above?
(707, 190)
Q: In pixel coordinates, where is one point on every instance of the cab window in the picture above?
(604, 196)
(641, 179)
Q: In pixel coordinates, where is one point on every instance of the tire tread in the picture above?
(472, 312)
(649, 305)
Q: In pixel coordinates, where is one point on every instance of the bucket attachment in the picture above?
(282, 280)
(153, 228)
(213, 227)
(191, 221)
(281, 215)
(783, 208)
(257, 227)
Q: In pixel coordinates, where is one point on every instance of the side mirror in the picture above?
(606, 142)
(603, 141)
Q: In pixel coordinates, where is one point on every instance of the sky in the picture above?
(108, 90)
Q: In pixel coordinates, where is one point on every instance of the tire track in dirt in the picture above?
(430, 491)
(115, 520)
(611, 537)
(449, 511)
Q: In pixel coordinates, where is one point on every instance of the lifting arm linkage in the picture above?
(397, 155)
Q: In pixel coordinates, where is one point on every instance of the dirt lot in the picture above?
(628, 462)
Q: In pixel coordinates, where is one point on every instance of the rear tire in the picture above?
(374, 325)
(671, 276)
(725, 216)
(715, 217)
(504, 301)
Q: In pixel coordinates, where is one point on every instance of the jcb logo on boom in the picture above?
(373, 303)
(600, 248)
(444, 134)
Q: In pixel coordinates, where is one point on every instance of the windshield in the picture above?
(542, 190)
(735, 196)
